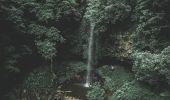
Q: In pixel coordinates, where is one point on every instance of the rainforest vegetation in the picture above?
(44, 49)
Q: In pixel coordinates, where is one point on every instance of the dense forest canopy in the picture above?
(44, 43)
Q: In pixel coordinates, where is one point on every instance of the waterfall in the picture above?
(90, 55)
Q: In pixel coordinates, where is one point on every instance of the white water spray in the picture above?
(90, 55)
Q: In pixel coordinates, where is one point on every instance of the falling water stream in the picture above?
(90, 55)
(78, 89)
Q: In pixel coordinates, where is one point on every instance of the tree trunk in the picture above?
(53, 74)
(51, 64)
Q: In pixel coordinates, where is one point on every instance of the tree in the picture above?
(46, 41)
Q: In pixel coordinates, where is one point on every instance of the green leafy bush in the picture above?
(152, 68)
(117, 12)
(114, 79)
(134, 91)
(96, 92)
(39, 78)
(166, 63)
(69, 70)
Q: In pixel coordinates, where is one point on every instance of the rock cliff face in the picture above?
(119, 47)
(122, 47)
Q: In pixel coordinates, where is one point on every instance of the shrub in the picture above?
(134, 91)
(39, 78)
(69, 70)
(152, 68)
(96, 92)
(114, 79)
(166, 63)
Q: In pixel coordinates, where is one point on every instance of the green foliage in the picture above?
(96, 92)
(152, 68)
(114, 79)
(55, 10)
(93, 11)
(42, 32)
(166, 53)
(46, 40)
(11, 57)
(117, 12)
(39, 78)
(11, 11)
(31, 27)
(111, 11)
(151, 32)
(166, 63)
(10, 62)
(46, 49)
(134, 91)
(45, 12)
(69, 70)
(146, 66)
(16, 18)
